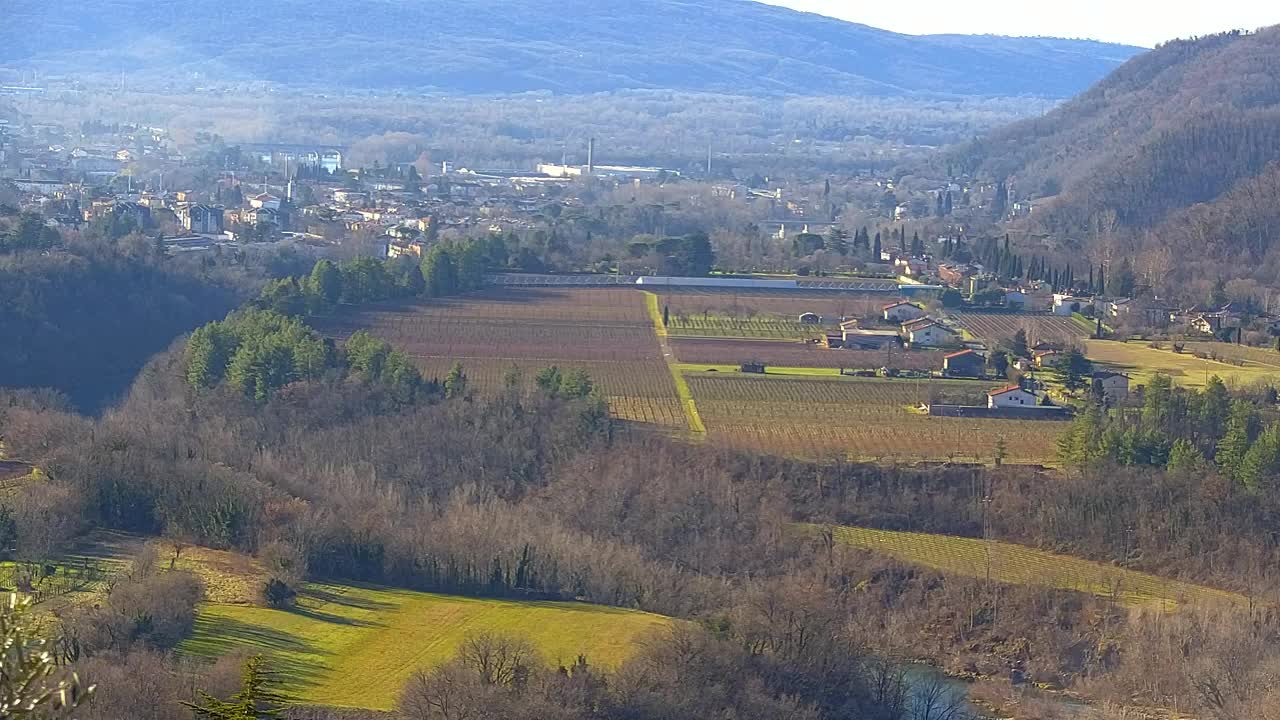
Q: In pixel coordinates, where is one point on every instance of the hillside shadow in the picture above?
(321, 595)
(221, 636)
(331, 618)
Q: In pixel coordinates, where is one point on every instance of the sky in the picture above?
(1134, 22)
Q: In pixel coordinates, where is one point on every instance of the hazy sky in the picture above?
(1136, 22)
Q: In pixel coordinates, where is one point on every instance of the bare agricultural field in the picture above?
(994, 327)
(605, 331)
(537, 324)
(854, 419)
(731, 351)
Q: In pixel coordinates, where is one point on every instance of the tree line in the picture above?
(1183, 430)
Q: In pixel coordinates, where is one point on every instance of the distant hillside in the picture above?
(1183, 141)
(566, 46)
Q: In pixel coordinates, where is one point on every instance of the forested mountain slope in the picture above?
(567, 46)
(1181, 142)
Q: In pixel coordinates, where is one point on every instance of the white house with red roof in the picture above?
(1011, 396)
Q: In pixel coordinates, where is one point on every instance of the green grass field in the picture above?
(356, 646)
(1019, 565)
(1141, 363)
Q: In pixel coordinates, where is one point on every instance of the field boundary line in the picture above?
(682, 387)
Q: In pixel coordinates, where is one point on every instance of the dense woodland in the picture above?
(85, 320)
(1172, 156)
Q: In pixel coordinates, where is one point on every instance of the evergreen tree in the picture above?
(440, 272)
(1124, 281)
(876, 249)
(1000, 203)
(1184, 456)
(1102, 280)
(455, 383)
(1261, 461)
(1084, 441)
(1242, 428)
(257, 699)
(326, 282)
(837, 241)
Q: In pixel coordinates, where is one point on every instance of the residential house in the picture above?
(1206, 323)
(265, 201)
(1012, 396)
(203, 219)
(140, 213)
(932, 334)
(901, 312)
(351, 198)
(911, 266)
(1067, 305)
(402, 248)
(261, 216)
(1111, 385)
(1137, 311)
(965, 363)
(1046, 358)
(1211, 321)
(956, 275)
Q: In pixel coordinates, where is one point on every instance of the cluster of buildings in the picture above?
(902, 324)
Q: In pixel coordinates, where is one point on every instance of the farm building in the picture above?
(1046, 358)
(965, 363)
(901, 312)
(860, 339)
(1111, 385)
(931, 334)
(810, 318)
(1012, 396)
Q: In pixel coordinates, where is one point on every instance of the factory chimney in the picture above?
(591, 156)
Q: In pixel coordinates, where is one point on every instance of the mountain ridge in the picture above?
(1169, 153)
(564, 46)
